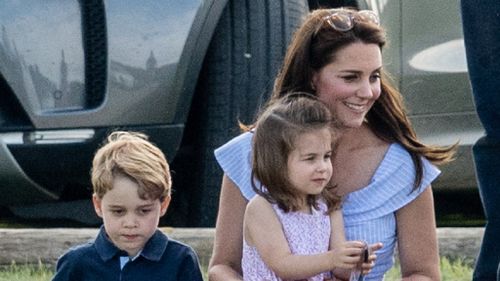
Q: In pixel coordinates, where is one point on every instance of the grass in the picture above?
(457, 270)
(15, 272)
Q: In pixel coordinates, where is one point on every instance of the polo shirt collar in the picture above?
(153, 250)
(155, 247)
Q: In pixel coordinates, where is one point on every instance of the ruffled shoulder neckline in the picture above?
(391, 186)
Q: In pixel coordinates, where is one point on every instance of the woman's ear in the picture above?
(97, 205)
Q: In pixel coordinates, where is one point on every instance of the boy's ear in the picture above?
(164, 205)
(97, 205)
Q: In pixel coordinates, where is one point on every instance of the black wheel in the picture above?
(237, 76)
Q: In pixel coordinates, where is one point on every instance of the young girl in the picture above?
(293, 228)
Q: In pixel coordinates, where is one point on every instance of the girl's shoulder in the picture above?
(258, 204)
(259, 201)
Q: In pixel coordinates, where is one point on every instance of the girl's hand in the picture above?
(347, 255)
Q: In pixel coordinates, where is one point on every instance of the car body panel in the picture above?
(154, 51)
(150, 63)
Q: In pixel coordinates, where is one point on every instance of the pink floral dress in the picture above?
(306, 234)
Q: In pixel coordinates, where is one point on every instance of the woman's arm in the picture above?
(225, 264)
(263, 230)
(417, 239)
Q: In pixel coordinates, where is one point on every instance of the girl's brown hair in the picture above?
(274, 139)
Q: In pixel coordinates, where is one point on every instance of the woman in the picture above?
(381, 169)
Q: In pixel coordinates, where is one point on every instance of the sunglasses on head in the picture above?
(343, 20)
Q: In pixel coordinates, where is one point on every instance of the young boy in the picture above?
(131, 182)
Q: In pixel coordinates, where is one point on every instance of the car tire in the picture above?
(243, 59)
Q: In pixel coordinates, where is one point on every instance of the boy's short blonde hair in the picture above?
(130, 154)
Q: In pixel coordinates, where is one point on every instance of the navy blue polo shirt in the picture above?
(161, 259)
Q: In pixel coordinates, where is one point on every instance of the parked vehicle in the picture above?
(185, 72)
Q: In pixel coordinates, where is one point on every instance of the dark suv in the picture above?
(183, 72)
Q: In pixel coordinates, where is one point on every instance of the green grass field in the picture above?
(457, 270)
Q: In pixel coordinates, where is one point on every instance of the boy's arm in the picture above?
(263, 230)
(190, 268)
(65, 270)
